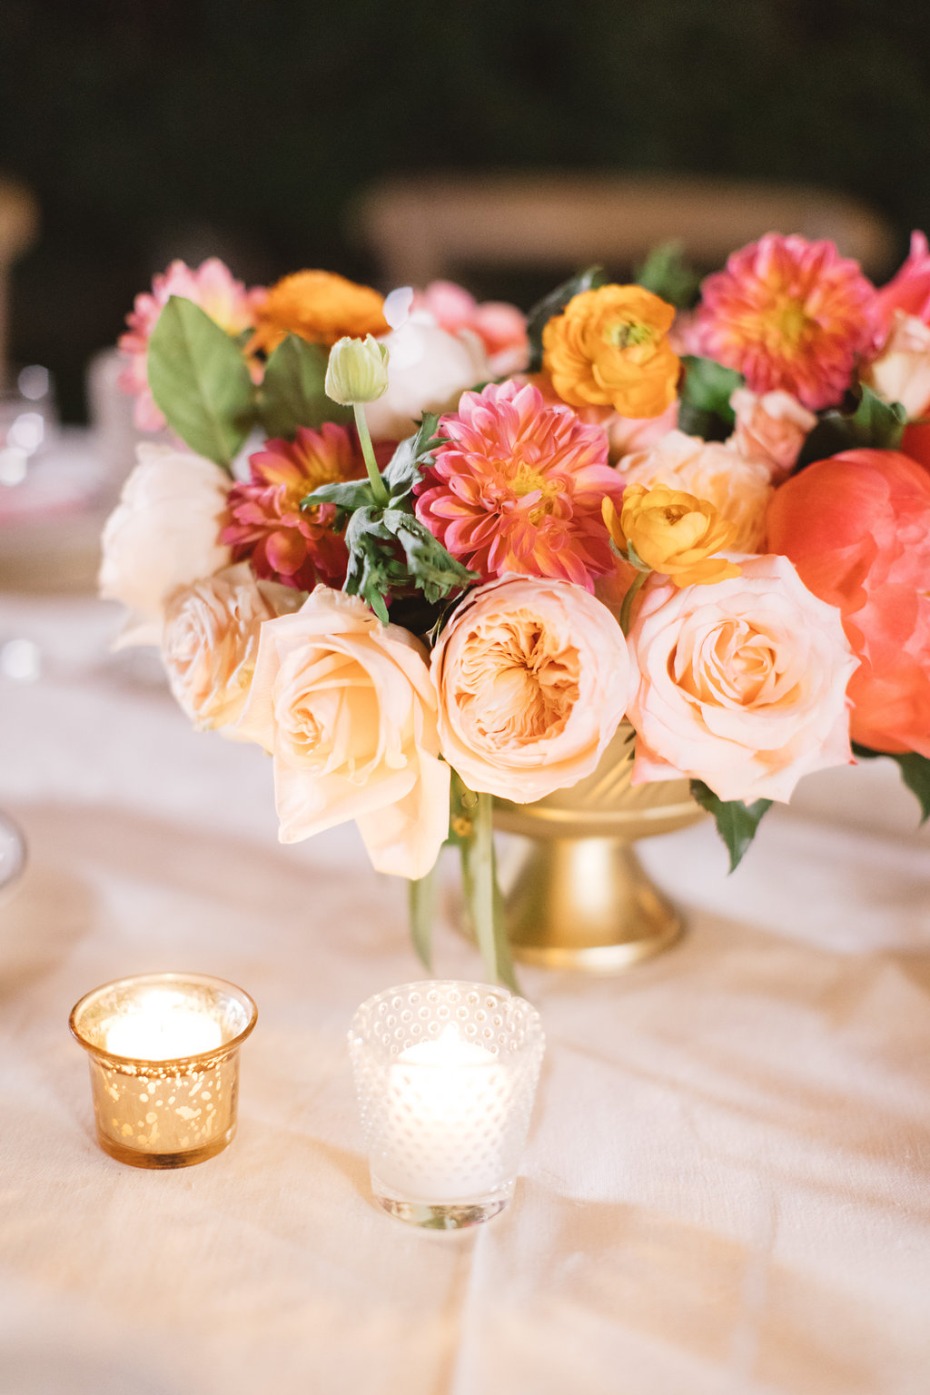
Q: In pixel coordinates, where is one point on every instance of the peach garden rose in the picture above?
(533, 678)
(345, 706)
(742, 684)
(210, 641)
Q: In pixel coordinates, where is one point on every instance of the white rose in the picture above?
(428, 370)
(163, 533)
(210, 641)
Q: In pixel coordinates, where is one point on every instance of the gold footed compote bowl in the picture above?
(575, 893)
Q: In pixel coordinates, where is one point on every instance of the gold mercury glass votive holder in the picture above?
(164, 1065)
(445, 1073)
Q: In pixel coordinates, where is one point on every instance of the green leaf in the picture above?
(915, 772)
(406, 464)
(705, 398)
(666, 273)
(432, 569)
(553, 304)
(292, 390)
(200, 381)
(736, 822)
(872, 423)
(347, 495)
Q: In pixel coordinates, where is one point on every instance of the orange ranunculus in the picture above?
(673, 533)
(320, 306)
(857, 527)
(609, 347)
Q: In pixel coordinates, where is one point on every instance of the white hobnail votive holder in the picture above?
(445, 1073)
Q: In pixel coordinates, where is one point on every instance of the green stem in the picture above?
(626, 610)
(422, 912)
(382, 498)
(486, 903)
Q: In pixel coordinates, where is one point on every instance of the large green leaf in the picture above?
(872, 423)
(668, 274)
(553, 304)
(200, 381)
(706, 389)
(736, 822)
(292, 390)
(915, 772)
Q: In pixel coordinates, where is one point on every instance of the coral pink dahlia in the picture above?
(791, 314)
(211, 286)
(268, 528)
(518, 488)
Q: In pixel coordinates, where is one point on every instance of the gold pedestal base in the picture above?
(584, 903)
(575, 894)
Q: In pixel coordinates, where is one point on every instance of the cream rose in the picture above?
(771, 429)
(533, 678)
(163, 533)
(428, 370)
(209, 641)
(901, 373)
(742, 684)
(739, 489)
(345, 706)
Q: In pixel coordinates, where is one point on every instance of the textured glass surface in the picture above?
(445, 1073)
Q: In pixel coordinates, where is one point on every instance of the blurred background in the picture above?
(150, 129)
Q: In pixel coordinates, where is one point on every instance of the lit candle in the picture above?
(164, 1065)
(445, 1073)
(162, 1026)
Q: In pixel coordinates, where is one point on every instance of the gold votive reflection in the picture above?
(164, 1065)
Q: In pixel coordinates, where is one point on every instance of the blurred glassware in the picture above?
(12, 855)
(28, 421)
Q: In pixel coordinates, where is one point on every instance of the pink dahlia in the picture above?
(268, 528)
(212, 287)
(519, 488)
(789, 314)
(500, 327)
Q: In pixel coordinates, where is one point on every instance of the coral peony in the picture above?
(739, 489)
(283, 542)
(320, 306)
(533, 679)
(742, 684)
(610, 347)
(211, 286)
(857, 527)
(500, 327)
(908, 290)
(346, 708)
(788, 313)
(519, 486)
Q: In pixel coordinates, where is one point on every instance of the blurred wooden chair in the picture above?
(428, 227)
(19, 223)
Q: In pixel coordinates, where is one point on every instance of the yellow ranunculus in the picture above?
(673, 533)
(609, 347)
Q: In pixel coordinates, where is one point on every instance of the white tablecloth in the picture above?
(727, 1186)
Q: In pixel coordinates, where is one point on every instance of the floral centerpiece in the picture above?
(426, 551)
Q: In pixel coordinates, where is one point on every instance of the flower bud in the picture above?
(357, 371)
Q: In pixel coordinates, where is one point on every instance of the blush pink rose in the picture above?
(739, 489)
(533, 678)
(742, 684)
(345, 706)
(772, 428)
(857, 527)
(209, 641)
